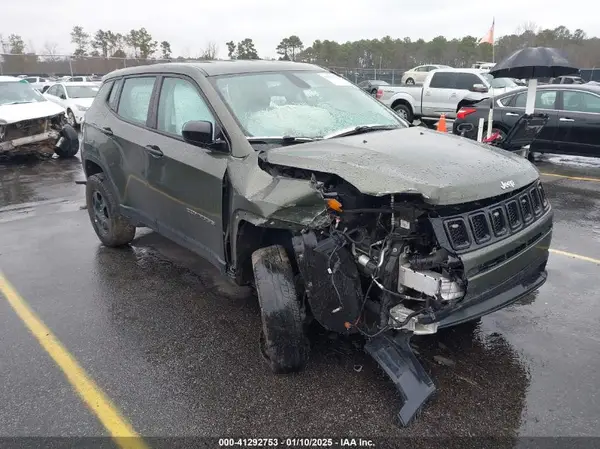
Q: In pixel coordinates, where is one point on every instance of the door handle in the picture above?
(563, 119)
(154, 150)
(512, 114)
(106, 130)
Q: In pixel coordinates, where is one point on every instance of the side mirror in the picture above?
(202, 134)
(480, 88)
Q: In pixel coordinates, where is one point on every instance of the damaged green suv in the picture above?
(288, 177)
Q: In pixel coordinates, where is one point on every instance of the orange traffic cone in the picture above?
(441, 124)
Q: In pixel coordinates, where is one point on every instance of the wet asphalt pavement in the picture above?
(175, 346)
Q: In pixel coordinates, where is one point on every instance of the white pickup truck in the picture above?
(443, 92)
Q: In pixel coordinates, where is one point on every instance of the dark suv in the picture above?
(290, 178)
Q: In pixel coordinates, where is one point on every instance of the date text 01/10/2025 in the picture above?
(296, 442)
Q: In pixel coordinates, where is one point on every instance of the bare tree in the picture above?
(525, 27)
(51, 50)
(211, 51)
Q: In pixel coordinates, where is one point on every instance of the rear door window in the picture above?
(443, 80)
(135, 99)
(544, 99)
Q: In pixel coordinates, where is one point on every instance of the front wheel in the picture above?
(67, 144)
(283, 341)
(71, 118)
(112, 228)
(404, 111)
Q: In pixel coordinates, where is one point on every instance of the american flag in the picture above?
(489, 37)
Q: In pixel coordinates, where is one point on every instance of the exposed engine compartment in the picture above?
(378, 266)
(33, 136)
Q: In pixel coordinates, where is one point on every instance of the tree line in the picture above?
(387, 52)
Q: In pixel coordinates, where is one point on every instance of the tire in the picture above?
(71, 118)
(374, 92)
(68, 143)
(283, 341)
(405, 112)
(410, 81)
(111, 227)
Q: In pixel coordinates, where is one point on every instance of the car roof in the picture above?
(78, 83)
(585, 87)
(215, 68)
(452, 69)
(6, 79)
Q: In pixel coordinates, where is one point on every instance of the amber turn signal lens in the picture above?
(334, 204)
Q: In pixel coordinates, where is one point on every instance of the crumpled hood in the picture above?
(12, 113)
(446, 169)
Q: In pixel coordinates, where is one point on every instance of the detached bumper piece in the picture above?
(396, 358)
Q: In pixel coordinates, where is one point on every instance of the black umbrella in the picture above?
(533, 63)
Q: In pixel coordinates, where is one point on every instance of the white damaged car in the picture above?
(30, 124)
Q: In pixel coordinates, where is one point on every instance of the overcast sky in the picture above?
(189, 24)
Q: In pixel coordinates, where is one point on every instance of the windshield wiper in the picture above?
(360, 130)
(19, 102)
(284, 139)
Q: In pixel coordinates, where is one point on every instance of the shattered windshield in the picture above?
(300, 104)
(15, 92)
(82, 91)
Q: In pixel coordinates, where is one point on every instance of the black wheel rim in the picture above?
(100, 212)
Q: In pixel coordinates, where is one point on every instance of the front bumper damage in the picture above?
(40, 143)
(524, 273)
(43, 136)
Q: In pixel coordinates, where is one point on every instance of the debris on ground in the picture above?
(443, 360)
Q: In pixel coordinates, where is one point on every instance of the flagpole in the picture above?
(494, 40)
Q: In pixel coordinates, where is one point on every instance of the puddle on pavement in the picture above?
(32, 181)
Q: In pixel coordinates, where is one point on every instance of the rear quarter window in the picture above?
(443, 80)
(104, 90)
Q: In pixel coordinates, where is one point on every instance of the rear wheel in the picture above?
(410, 81)
(111, 227)
(283, 341)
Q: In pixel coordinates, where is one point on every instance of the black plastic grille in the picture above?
(496, 221)
(536, 201)
(514, 217)
(457, 231)
(543, 196)
(525, 203)
(480, 227)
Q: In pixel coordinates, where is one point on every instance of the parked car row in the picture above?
(443, 92)
(573, 126)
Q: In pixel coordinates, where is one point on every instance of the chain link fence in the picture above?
(356, 75)
(68, 65)
(63, 65)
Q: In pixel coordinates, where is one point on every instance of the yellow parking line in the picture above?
(575, 178)
(118, 427)
(575, 256)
